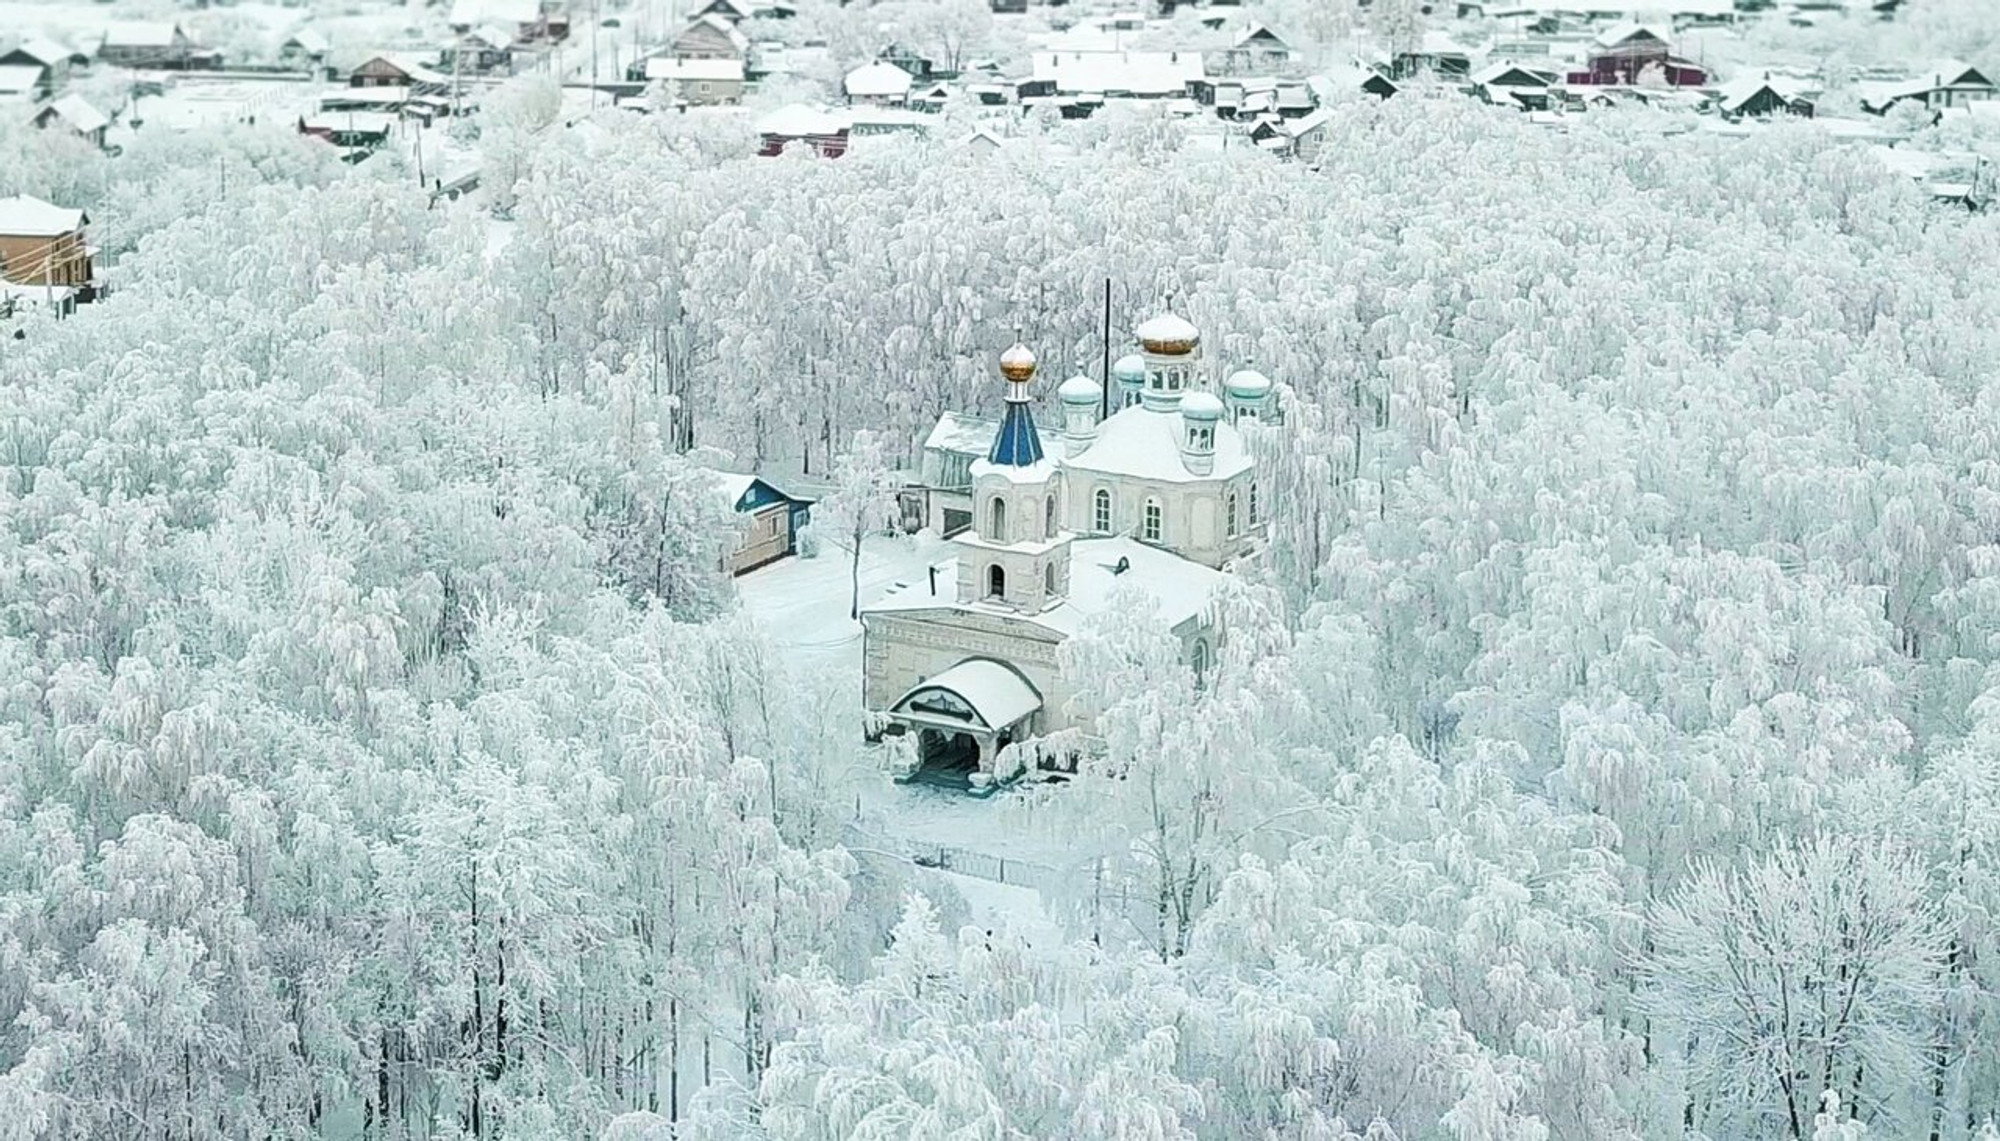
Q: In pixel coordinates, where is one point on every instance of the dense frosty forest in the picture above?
(1608, 748)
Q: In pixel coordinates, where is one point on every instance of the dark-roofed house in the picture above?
(775, 518)
(52, 61)
(153, 45)
(1626, 54)
(75, 114)
(1762, 98)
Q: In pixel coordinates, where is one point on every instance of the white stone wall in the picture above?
(1194, 514)
(898, 651)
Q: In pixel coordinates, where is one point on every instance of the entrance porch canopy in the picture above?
(979, 695)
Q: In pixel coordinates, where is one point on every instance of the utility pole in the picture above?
(1104, 387)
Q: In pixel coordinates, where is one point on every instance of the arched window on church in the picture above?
(1200, 661)
(1100, 511)
(996, 582)
(1049, 580)
(1253, 505)
(1149, 529)
(1049, 518)
(998, 531)
(1229, 515)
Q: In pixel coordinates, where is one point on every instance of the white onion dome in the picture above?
(1247, 383)
(1130, 369)
(1201, 406)
(1079, 389)
(1168, 336)
(1018, 364)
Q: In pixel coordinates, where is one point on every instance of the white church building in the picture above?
(1160, 494)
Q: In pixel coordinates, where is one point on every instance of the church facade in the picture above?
(1160, 495)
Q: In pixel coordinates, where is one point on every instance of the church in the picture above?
(1160, 494)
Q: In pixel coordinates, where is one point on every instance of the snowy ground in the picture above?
(804, 602)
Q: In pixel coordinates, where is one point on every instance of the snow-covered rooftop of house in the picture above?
(1255, 31)
(1141, 443)
(1182, 588)
(1142, 73)
(47, 51)
(798, 121)
(141, 35)
(877, 80)
(344, 122)
(729, 31)
(1499, 68)
(25, 216)
(312, 41)
(81, 115)
(17, 80)
(1624, 30)
(669, 68)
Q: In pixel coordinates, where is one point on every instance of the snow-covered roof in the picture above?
(1500, 68)
(19, 79)
(1168, 328)
(1247, 382)
(46, 51)
(666, 68)
(1079, 389)
(25, 216)
(416, 70)
(729, 31)
(312, 41)
(1141, 443)
(877, 80)
(997, 694)
(1625, 30)
(1139, 72)
(1258, 31)
(970, 435)
(1181, 587)
(141, 35)
(350, 122)
(1201, 406)
(1733, 95)
(78, 112)
(798, 121)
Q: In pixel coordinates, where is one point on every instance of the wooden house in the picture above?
(162, 46)
(358, 132)
(1008, 7)
(484, 50)
(1947, 83)
(877, 84)
(1627, 54)
(390, 70)
(827, 134)
(1761, 99)
(51, 61)
(734, 11)
(524, 20)
(42, 247)
(919, 65)
(710, 37)
(698, 82)
(772, 520)
(75, 114)
(1257, 49)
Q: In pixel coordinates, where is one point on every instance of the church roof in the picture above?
(1016, 444)
(998, 695)
(1181, 586)
(1141, 443)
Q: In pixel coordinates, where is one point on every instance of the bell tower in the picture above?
(1017, 553)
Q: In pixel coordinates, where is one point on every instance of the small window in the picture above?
(1101, 512)
(1049, 580)
(1173, 380)
(1201, 438)
(1229, 515)
(998, 517)
(1049, 518)
(996, 582)
(1150, 531)
(1200, 661)
(1253, 505)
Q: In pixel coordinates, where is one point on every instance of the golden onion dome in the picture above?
(1168, 336)
(1018, 364)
